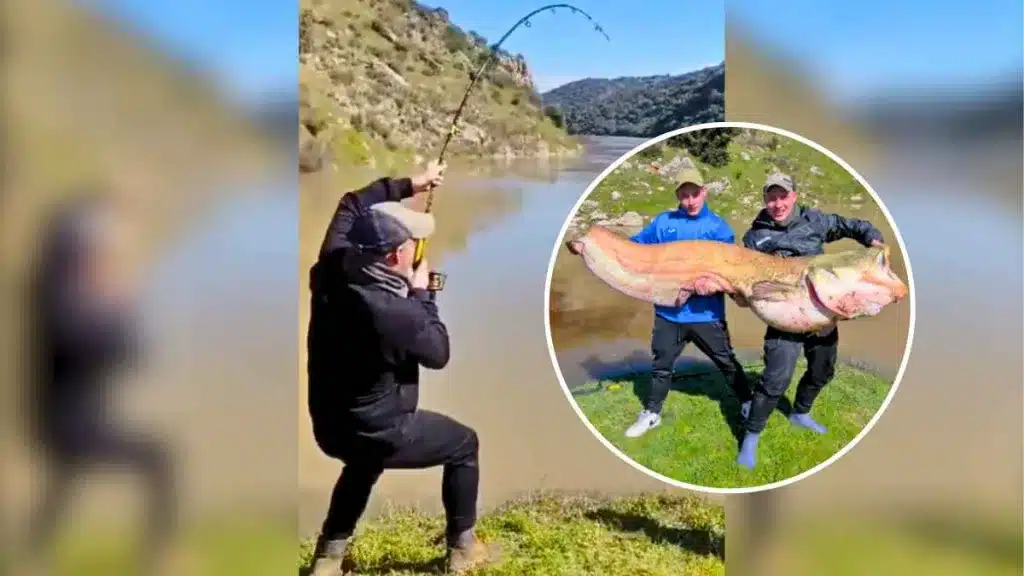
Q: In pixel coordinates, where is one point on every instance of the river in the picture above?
(227, 350)
(496, 232)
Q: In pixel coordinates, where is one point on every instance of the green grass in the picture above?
(556, 534)
(649, 194)
(235, 546)
(938, 544)
(697, 441)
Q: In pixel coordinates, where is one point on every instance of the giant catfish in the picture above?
(797, 295)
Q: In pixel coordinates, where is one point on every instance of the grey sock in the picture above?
(462, 540)
(332, 548)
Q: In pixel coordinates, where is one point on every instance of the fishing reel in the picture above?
(435, 281)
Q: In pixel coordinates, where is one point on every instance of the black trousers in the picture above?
(428, 439)
(668, 339)
(77, 439)
(781, 352)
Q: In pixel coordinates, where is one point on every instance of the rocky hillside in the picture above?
(644, 106)
(89, 101)
(382, 78)
(643, 186)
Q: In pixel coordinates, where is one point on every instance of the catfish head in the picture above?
(855, 283)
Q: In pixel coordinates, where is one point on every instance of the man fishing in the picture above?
(701, 319)
(86, 327)
(786, 228)
(374, 321)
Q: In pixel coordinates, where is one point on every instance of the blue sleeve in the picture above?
(649, 235)
(724, 233)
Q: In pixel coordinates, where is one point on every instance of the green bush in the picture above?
(306, 22)
(341, 76)
(455, 40)
(710, 146)
(555, 115)
(651, 152)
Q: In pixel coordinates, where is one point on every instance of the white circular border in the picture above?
(750, 489)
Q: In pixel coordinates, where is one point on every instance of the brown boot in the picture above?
(331, 559)
(469, 552)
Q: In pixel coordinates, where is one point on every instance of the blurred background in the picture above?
(925, 102)
(184, 113)
(181, 117)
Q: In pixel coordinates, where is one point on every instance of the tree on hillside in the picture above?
(711, 146)
(556, 116)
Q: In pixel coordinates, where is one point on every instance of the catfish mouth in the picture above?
(812, 293)
(575, 247)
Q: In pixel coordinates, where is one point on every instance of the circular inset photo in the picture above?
(729, 307)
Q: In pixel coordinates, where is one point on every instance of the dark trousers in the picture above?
(781, 352)
(428, 439)
(668, 339)
(77, 440)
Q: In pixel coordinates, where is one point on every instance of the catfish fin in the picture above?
(770, 291)
(682, 297)
(710, 284)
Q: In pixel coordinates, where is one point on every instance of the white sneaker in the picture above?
(645, 422)
(745, 409)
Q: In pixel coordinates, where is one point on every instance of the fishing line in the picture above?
(453, 126)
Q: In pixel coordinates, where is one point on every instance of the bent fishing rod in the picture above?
(494, 49)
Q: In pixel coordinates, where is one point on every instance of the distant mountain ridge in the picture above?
(640, 106)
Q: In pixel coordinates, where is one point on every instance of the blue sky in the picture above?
(856, 47)
(647, 36)
(866, 46)
(251, 45)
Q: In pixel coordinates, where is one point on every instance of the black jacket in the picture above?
(365, 344)
(806, 233)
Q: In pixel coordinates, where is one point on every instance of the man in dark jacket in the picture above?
(85, 328)
(374, 321)
(785, 228)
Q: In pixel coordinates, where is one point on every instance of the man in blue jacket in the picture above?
(786, 228)
(701, 319)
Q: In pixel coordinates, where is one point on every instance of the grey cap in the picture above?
(388, 224)
(689, 176)
(781, 180)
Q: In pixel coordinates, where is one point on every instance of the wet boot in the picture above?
(331, 559)
(467, 552)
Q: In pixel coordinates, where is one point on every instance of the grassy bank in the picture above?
(939, 542)
(552, 534)
(697, 441)
(645, 183)
(214, 547)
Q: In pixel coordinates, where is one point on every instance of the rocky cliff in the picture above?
(383, 78)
